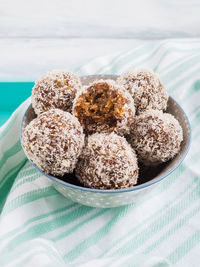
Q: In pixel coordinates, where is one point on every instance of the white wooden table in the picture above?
(39, 35)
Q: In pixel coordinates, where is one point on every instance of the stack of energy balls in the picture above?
(102, 130)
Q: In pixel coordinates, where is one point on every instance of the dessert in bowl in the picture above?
(98, 156)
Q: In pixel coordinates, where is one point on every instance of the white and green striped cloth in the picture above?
(39, 227)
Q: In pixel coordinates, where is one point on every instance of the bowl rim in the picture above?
(112, 191)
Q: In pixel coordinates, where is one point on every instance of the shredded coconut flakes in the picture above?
(156, 137)
(107, 162)
(55, 89)
(146, 88)
(53, 141)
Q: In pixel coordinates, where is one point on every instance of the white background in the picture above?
(39, 35)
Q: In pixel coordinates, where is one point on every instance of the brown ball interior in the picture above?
(100, 105)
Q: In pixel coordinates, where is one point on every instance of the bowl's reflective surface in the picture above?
(148, 178)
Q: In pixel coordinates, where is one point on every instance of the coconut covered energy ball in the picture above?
(104, 106)
(146, 88)
(107, 162)
(53, 141)
(156, 137)
(56, 89)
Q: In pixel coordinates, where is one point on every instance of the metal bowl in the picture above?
(149, 177)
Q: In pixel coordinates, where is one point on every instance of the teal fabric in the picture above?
(39, 227)
(12, 95)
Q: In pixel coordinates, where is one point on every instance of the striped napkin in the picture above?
(39, 227)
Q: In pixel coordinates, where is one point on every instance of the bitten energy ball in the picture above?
(107, 162)
(53, 141)
(56, 89)
(146, 88)
(156, 137)
(104, 106)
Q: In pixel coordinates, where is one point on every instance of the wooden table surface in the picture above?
(40, 35)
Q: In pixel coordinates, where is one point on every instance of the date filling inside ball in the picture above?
(104, 106)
